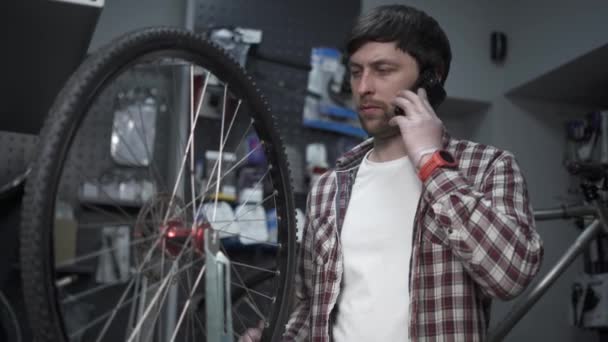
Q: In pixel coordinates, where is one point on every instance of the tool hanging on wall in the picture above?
(582, 137)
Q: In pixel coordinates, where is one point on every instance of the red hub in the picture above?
(177, 233)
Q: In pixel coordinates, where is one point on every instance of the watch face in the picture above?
(447, 157)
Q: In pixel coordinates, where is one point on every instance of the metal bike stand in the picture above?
(217, 290)
(590, 191)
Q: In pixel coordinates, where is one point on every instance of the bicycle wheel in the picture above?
(114, 212)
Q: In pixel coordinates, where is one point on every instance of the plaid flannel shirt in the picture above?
(474, 240)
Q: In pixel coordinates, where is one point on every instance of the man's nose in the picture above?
(366, 84)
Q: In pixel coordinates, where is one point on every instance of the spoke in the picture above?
(86, 293)
(112, 200)
(181, 141)
(187, 304)
(164, 284)
(162, 272)
(189, 281)
(136, 290)
(155, 319)
(140, 306)
(156, 213)
(100, 318)
(65, 281)
(149, 307)
(276, 272)
(115, 311)
(255, 309)
(271, 196)
(231, 221)
(121, 305)
(243, 286)
(102, 251)
(190, 139)
(194, 316)
(223, 141)
(227, 173)
(234, 167)
(97, 208)
(240, 319)
(256, 185)
(221, 154)
(200, 324)
(213, 170)
(146, 259)
(102, 224)
(224, 227)
(191, 322)
(248, 290)
(192, 174)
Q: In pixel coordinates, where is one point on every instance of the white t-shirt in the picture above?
(376, 242)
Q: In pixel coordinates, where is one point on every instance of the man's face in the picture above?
(378, 72)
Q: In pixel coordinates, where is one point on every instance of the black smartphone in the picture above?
(434, 90)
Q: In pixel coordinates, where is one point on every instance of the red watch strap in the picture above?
(436, 161)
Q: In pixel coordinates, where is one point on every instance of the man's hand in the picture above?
(253, 334)
(420, 128)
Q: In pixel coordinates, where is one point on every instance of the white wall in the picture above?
(544, 34)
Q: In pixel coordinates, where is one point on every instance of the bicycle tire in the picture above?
(60, 128)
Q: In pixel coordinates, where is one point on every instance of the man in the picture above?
(414, 232)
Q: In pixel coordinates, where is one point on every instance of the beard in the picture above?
(378, 126)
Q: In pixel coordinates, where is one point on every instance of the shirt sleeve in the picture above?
(489, 228)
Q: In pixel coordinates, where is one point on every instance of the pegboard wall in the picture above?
(280, 63)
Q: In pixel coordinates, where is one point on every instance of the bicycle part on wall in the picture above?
(139, 286)
(135, 111)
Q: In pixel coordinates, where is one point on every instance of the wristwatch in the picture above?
(439, 158)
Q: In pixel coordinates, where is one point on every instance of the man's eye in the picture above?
(384, 71)
(355, 73)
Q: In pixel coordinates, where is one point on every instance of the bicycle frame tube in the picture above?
(520, 309)
(563, 213)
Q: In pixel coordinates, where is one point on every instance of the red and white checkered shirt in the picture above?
(474, 240)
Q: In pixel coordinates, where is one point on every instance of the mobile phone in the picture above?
(434, 90)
